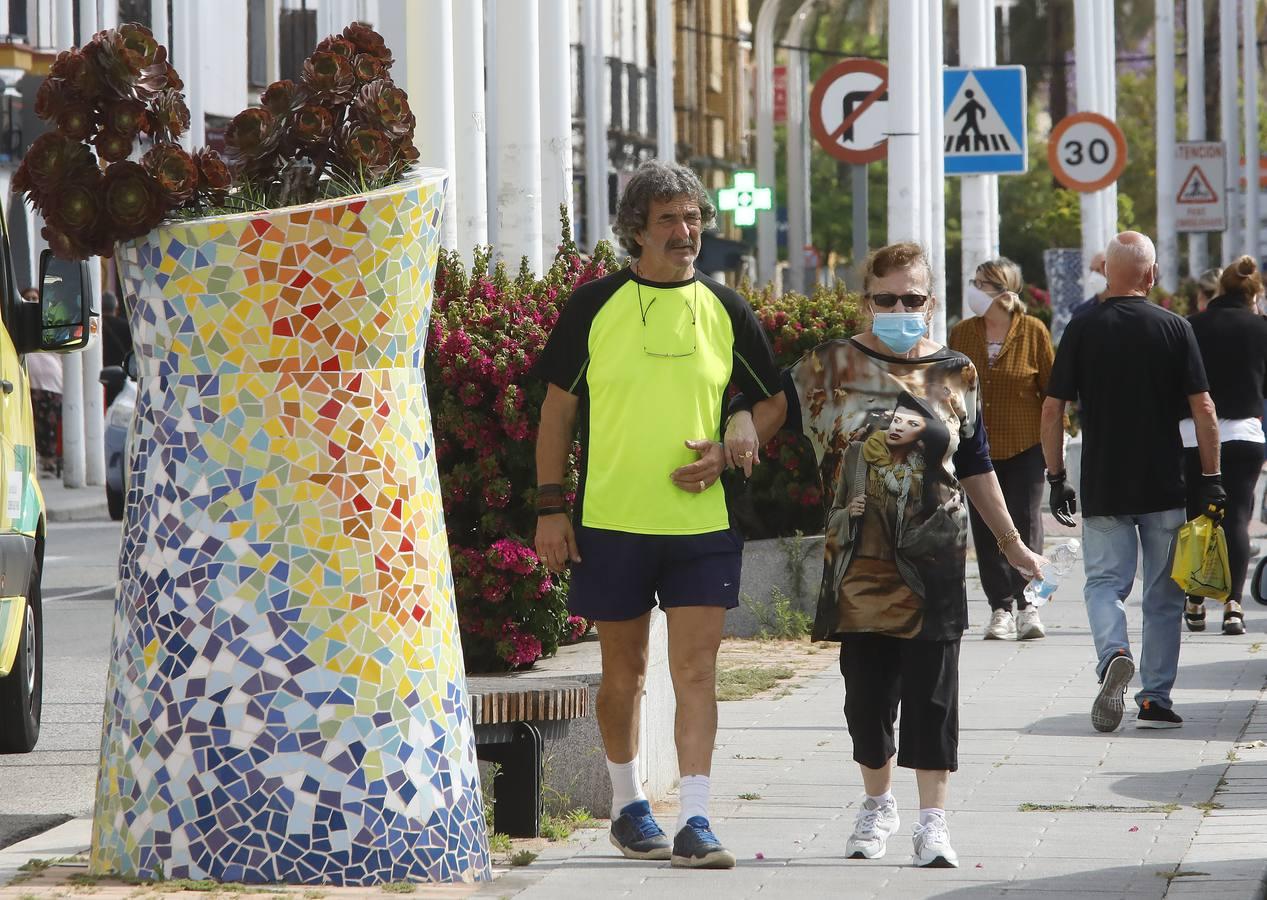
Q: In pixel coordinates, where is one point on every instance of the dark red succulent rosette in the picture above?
(280, 97)
(384, 106)
(126, 117)
(251, 140)
(213, 171)
(113, 147)
(49, 161)
(76, 206)
(168, 115)
(51, 98)
(132, 205)
(77, 120)
(312, 125)
(328, 74)
(336, 43)
(174, 170)
(368, 67)
(367, 150)
(366, 40)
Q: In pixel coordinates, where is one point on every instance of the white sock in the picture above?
(926, 815)
(882, 799)
(626, 786)
(693, 790)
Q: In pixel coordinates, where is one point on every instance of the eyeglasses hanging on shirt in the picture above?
(669, 328)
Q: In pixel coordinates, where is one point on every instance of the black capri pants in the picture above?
(883, 673)
(1241, 462)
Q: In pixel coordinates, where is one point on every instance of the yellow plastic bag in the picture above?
(1200, 565)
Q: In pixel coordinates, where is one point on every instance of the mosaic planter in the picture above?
(286, 699)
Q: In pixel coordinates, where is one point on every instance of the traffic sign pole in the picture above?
(976, 210)
(1249, 82)
(1194, 35)
(1167, 236)
(1229, 123)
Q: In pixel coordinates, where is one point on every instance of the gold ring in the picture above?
(747, 454)
(702, 486)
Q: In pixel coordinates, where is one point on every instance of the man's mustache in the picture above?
(681, 245)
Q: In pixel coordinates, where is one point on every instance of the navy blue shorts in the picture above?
(621, 575)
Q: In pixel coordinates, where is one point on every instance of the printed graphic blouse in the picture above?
(893, 437)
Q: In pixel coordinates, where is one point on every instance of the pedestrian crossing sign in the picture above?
(985, 121)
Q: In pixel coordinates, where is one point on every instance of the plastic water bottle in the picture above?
(1059, 564)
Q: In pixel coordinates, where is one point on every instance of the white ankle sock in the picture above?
(880, 800)
(931, 813)
(693, 791)
(626, 786)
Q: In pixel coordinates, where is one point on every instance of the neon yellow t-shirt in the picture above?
(651, 363)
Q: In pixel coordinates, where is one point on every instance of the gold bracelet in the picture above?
(1009, 537)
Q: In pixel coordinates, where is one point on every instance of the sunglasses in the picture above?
(888, 301)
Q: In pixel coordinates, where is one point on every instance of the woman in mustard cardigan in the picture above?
(1012, 353)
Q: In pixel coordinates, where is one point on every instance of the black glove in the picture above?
(1064, 500)
(1212, 499)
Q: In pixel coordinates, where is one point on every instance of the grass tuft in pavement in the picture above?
(742, 682)
(1097, 807)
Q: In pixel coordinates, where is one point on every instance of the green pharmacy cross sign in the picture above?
(745, 199)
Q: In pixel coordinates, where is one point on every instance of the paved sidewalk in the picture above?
(1027, 807)
(65, 504)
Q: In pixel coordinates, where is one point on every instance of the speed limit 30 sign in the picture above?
(1086, 152)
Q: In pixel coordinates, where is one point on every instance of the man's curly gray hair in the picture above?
(656, 180)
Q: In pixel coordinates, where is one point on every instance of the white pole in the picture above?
(109, 14)
(556, 122)
(518, 133)
(974, 190)
(797, 171)
(767, 238)
(1249, 41)
(1194, 31)
(1229, 122)
(162, 25)
(5, 22)
(94, 398)
(1106, 35)
(429, 45)
(925, 113)
(666, 116)
(937, 174)
(1167, 239)
(904, 126)
(992, 181)
(597, 109)
(72, 363)
(1086, 67)
(469, 132)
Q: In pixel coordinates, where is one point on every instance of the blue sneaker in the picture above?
(696, 847)
(636, 834)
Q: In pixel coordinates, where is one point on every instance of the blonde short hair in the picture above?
(1007, 275)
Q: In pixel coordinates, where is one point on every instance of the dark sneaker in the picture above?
(1153, 716)
(696, 847)
(636, 834)
(1106, 711)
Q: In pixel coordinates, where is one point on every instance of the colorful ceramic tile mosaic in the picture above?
(286, 700)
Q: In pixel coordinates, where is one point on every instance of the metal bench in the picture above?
(512, 718)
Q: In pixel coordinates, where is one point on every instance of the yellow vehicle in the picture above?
(60, 322)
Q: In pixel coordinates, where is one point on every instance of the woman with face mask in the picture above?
(1233, 341)
(896, 419)
(1013, 355)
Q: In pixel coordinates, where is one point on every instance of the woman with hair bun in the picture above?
(1233, 341)
(1013, 355)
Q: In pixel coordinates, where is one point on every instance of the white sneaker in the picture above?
(1002, 626)
(1028, 626)
(871, 830)
(932, 846)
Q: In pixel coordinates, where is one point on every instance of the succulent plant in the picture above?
(343, 124)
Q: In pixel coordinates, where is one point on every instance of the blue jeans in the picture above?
(1110, 548)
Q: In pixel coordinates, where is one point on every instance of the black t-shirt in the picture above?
(1233, 342)
(1131, 366)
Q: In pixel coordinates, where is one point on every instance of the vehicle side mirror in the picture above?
(113, 377)
(130, 366)
(65, 304)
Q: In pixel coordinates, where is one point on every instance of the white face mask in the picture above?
(978, 300)
(1096, 283)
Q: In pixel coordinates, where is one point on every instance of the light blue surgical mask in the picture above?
(900, 331)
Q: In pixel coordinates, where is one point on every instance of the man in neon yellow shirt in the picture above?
(639, 363)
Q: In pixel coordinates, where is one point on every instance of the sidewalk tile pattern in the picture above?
(286, 698)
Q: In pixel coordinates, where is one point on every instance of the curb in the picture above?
(84, 513)
(67, 839)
